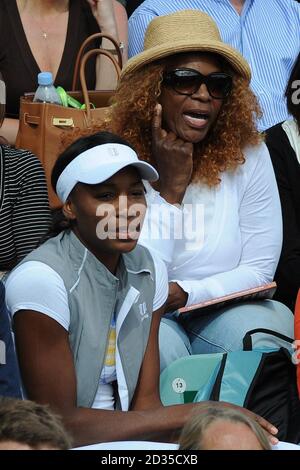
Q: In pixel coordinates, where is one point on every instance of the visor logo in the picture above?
(114, 152)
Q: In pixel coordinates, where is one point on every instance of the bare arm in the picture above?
(49, 377)
(147, 392)
(9, 130)
(122, 26)
(112, 19)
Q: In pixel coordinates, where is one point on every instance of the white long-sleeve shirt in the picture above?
(239, 231)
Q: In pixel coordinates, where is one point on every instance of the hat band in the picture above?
(94, 166)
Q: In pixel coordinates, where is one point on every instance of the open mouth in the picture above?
(197, 115)
(195, 119)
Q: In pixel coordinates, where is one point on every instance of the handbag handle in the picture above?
(82, 48)
(247, 340)
(85, 92)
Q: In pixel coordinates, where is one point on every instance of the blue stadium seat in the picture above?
(182, 380)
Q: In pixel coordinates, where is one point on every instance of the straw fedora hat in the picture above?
(185, 31)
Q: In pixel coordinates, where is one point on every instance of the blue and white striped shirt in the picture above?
(267, 33)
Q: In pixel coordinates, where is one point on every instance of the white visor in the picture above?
(98, 164)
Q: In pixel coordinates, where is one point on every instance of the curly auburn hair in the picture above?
(222, 150)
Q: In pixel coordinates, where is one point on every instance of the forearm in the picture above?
(122, 27)
(241, 278)
(9, 130)
(163, 423)
(115, 25)
(88, 426)
(106, 75)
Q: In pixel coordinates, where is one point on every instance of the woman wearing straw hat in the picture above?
(186, 106)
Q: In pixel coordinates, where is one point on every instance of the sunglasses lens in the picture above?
(184, 82)
(188, 81)
(219, 85)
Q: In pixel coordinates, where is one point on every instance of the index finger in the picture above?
(157, 122)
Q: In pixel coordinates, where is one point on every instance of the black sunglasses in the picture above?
(187, 81)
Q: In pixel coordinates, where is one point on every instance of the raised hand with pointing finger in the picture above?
(173, 158)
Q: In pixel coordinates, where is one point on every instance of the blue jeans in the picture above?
(223, 330)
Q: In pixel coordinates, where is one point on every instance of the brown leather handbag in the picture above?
(42, 125)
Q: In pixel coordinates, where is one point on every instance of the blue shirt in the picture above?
(267, 34)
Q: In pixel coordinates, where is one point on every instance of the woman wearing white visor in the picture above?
(87, 303)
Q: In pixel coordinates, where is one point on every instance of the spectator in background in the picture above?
(283, 141)
(46, 35)
(25, 216)
(9, 371)
(25, 425)
(222, 428)
(265, 32)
